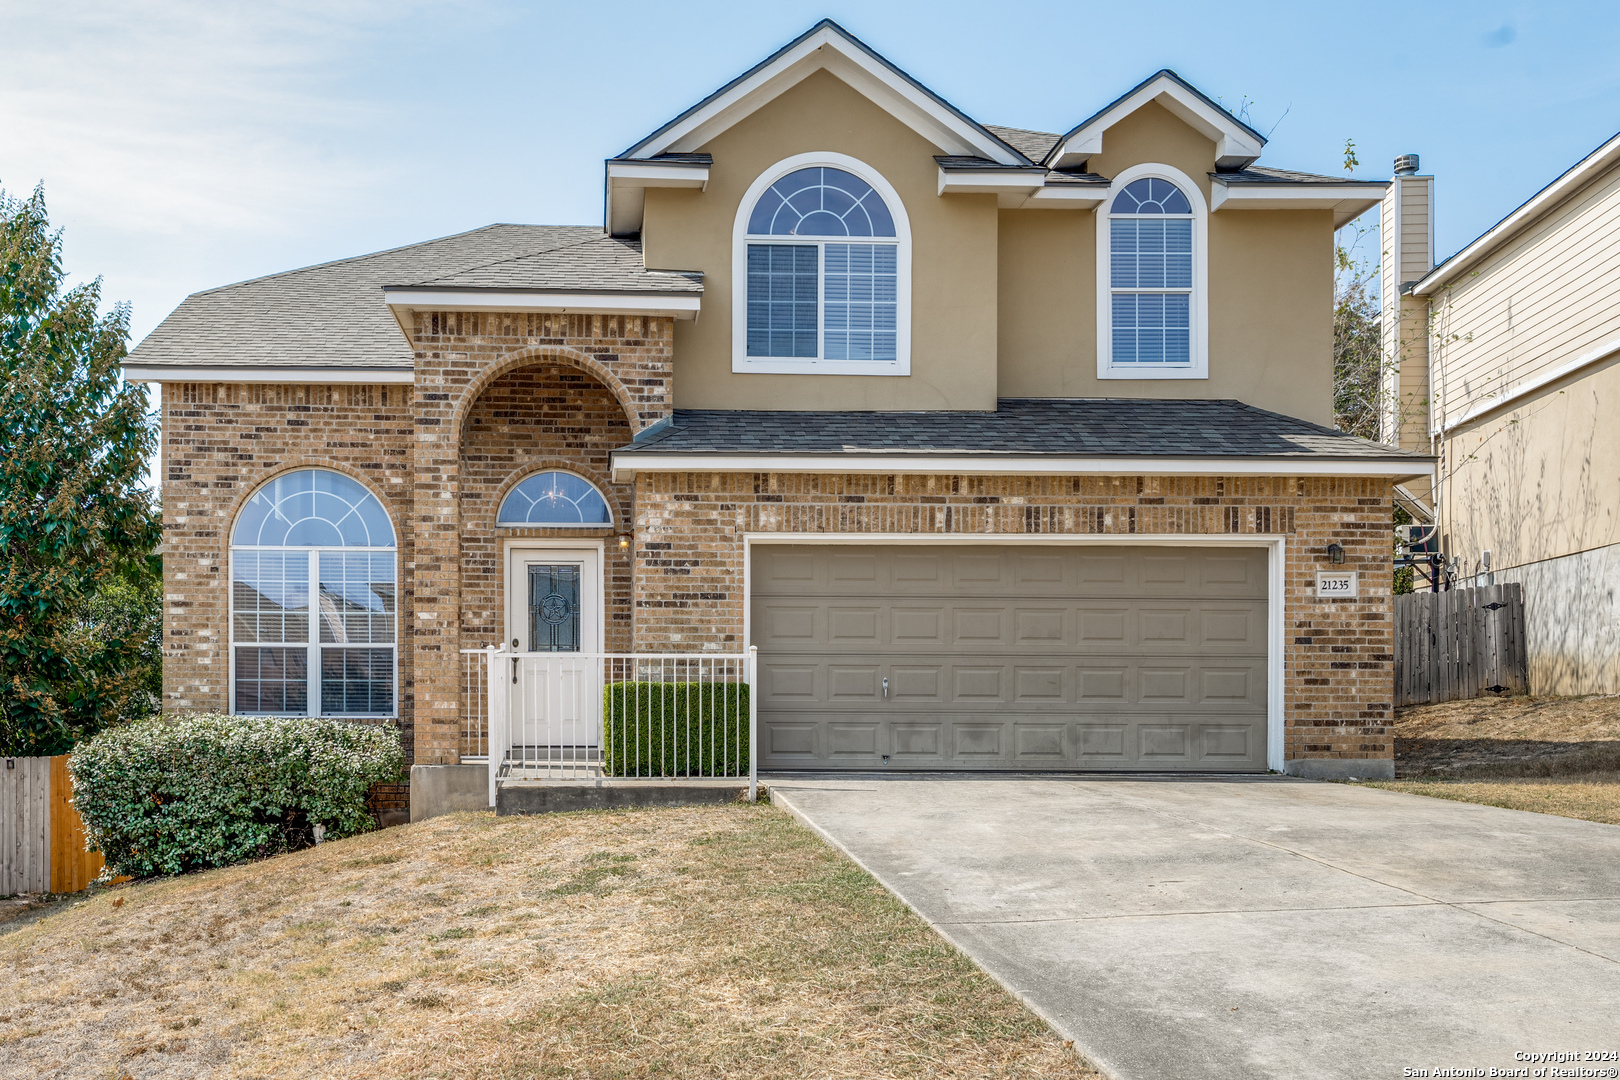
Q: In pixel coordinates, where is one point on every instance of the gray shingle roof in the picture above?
(1034, 145)
(1064, 428)
(1262, 174)
(333, 315)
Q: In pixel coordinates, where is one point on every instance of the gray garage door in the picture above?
(1032, 657)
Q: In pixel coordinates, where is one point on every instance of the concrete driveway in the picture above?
(1208, 928)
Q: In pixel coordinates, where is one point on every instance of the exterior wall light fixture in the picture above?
(624, 543)
(1335, 553)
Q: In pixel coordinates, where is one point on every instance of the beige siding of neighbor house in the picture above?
(1534, 479)
(1546, 297)
(953, 313)
(1538, 480)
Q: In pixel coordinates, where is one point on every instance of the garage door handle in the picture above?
(885, 686)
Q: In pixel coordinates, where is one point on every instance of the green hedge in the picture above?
(675, 728)
(178, 793)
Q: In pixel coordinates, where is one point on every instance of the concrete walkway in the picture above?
(1260, 927)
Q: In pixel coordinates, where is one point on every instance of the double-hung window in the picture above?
(313, 600)
(1153, 294)
(823, 277)
(1150, 233)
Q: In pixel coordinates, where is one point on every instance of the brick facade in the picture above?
(533, 418)
(220, 442)
(498, 396)
(1338, 655)
(459, 355)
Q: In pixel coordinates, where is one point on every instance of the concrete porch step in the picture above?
(561, 796)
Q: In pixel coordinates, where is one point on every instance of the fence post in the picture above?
(496, 727)
(753, 723)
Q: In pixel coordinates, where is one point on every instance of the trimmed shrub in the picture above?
(178, 793)
(675, 728)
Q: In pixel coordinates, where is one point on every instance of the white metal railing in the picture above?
(569, 716)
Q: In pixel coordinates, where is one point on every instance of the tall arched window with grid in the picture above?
(314, 600)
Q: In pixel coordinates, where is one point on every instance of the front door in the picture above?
(553, 615)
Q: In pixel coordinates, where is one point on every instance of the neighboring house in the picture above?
(1008, 449)
(1518, 335)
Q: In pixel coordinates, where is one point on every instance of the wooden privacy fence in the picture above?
(1459, 644)
(42, 837)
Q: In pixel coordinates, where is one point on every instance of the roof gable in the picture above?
(828, 46)
(1237, 145)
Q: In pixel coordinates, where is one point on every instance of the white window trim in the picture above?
(741, 362)
(1199, 344)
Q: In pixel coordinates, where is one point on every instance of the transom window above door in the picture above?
(557, 499)
(824, 265)
(314, 600)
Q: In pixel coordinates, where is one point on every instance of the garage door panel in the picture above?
(919, 626)
(913, 740)
(1165, 743)
(784, 682)
(1040, 745)
(1143, 682)
(1043, 685)
(853, 682)
(1103, 744)
(917, 684)
(1049, 657)
(856, 625)
(787, 743)
(854, 739)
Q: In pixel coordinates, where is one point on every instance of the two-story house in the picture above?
(1504, 360)
(1007, 449)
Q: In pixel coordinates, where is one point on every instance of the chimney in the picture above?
(1406, 245)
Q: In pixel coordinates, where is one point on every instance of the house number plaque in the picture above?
(1337, 585)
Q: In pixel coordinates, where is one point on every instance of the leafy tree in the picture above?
(78, 528)
(1358, 362)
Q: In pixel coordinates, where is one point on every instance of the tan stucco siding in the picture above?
(1048, 324)
(1154, 133)
(1545, 298)
(1538, 481)
(1270, 292)
(953, 314)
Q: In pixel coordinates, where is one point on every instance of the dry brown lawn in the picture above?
(1594, 797)
(1552, 755)
(702, 942)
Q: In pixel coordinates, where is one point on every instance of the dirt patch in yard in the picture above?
(1552, 755)
(1501, 737)
(717, 941)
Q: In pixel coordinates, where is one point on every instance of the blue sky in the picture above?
(186, 145)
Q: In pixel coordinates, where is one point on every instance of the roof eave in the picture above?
(627, 462)
(1527, 213)
(676, 304)
(1237, 145)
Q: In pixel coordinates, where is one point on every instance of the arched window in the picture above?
(554, 498)
(1153, 270)
(313, 534)
(824, 265)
